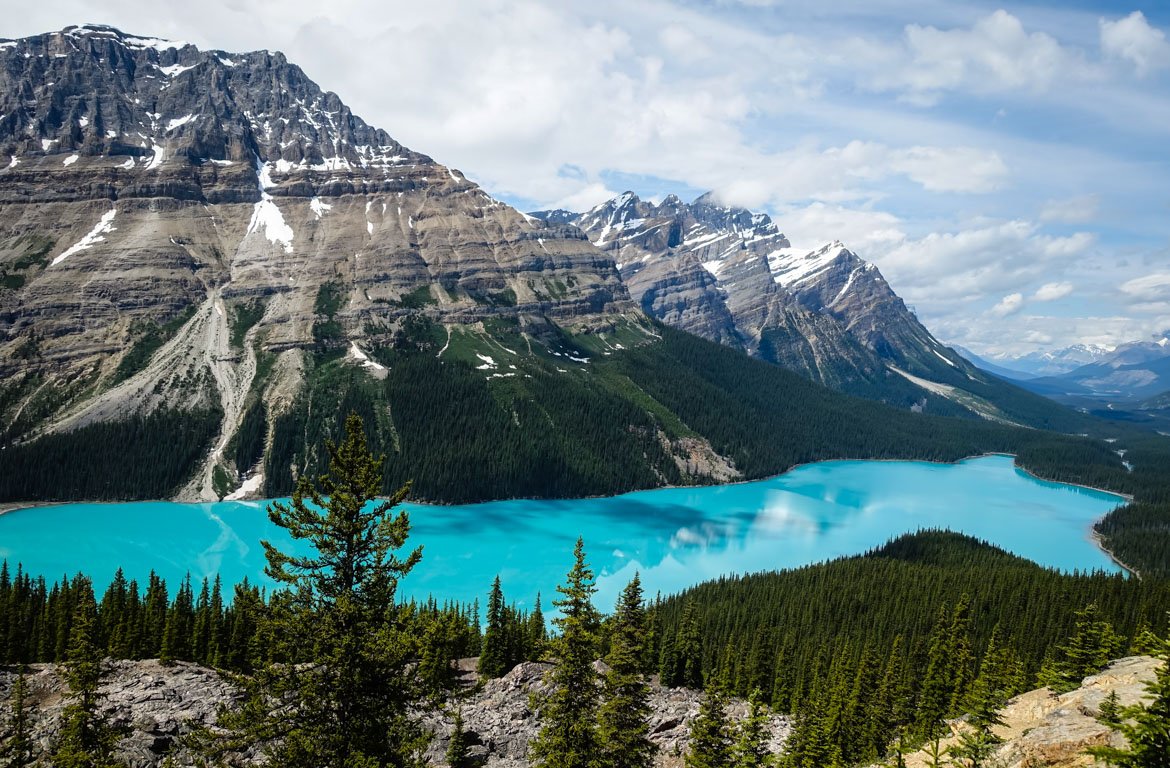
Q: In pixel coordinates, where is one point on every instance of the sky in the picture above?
(1007, 166)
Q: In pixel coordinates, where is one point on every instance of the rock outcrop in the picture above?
(1043, 730)
(158, 705)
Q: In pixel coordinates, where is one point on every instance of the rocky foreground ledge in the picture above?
(1043, 729)
(159, 704)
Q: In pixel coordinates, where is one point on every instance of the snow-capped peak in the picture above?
(791, 266)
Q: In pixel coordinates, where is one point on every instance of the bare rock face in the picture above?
(731, 276)
(1042, 730)
(500, 721)
(157, 705)
(154, 705)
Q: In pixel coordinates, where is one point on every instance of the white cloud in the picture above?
(1008, 305)
(1075, 210)
(1148, 289)
(585, 198)
(1053, 291)
(1132, 39)
(864, 231)
(993, 55)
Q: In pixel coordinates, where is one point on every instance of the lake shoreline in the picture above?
(1094, 537)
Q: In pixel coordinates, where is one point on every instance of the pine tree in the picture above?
(537, 634)
(493, 659)
(934, 700)
(86, 740)
(17, 748)
(1145, 726)
(978, 741)
(568, 717)
(751, 748)
(682, 656)
(456, 754)
(623, 720)
(1092, 645)
(1110, 710)
(711, 737)
(350, 708)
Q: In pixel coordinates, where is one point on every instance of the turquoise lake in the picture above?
(675, 537)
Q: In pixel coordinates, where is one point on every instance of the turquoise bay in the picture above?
(675, 537)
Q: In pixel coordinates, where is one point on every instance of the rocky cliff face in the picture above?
(148, 187)
(158, 705)
(731, 276)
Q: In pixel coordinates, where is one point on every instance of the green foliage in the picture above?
(85, 740)
(548, 436)
(418, 298)
(248, 442)
(1138, 534)
(352, 705)
(751, 747)
(17, 747)
(243, 317)
(568, 736)
(1092, 646)
(623, 720)
(1110, 710)
(457, 756)
(329, 299)
(221, 482)
(327, 331)
(712, 738)
(1146, 726)
(155, 455)
(860, 648)
(682, 653)
(493, 661)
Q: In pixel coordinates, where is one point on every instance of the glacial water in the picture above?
(675, 537)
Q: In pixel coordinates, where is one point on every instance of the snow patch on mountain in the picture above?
(266, 215)
(95, 236)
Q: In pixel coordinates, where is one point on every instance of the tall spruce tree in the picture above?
(1092, 645)
(537, 632)
(493, 658)
(86, 739)
(568, 716)
(456, 754)
(350, 707)
(17, 748)
(711, 738)
(624, 717)
(751, 746)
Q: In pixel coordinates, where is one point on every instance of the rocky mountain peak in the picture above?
(148, 185)
(729, 274)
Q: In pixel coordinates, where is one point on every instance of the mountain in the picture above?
(185, 228)
(1132, 372)
(1056, 361)
(986, 365)
(730, 275)
(206, 262)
